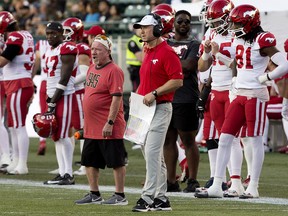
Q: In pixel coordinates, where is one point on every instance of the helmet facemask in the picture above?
(222, 24)
(68, 33)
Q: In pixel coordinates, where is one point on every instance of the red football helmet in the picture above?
(167, 14)
(245, 15)
(203, 12)
(73, 29)
(45, 125)
(6, 19)
(217, 15)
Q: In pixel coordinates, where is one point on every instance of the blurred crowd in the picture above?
(32, 15)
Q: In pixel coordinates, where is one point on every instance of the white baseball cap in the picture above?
(146, 21)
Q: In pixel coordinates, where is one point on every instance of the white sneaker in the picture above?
(5, 159)
(214, 192)
(210, 193)
(136, 146)
(80, 172)
(12, 166)
(250, 193)
(56, 171)
(19, 171)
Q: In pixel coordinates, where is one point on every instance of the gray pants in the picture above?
(156, 172)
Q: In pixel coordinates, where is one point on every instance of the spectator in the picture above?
(159, 78)
(92, 12)
(184, 120)
(17, 61)
(104, 124)
(104, 10)
(79, 9)
(114, 18)
(61, 66)
(24, 17)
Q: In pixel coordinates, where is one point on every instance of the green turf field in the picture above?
(26, 195)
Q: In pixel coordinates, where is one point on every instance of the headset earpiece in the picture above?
(157, 29)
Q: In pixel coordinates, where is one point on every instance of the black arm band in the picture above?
(11, 51)
(268, 77)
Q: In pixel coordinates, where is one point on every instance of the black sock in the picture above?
(120, 194)
(97, 193)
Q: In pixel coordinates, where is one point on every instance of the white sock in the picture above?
(285, 126)
(67, 152)
(23, 144)
(81, 145)
(258, 158)
(14, 143)
(266, 130)
(236, 157)
(72, 140)
(181, 153)
(223, 154)
(212, 154)
(42, 139)
(59, 155)
(199, 136)
(247, 147)
(4, 145)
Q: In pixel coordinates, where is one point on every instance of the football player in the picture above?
(17, 61)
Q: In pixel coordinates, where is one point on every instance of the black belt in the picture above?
(162, 102)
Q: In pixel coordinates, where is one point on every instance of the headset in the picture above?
(157, 29)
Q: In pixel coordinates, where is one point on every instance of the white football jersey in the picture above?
(42, 46)
(54, 64)
(83, 49)
(250, 64)
(21, 66)
(221, 74)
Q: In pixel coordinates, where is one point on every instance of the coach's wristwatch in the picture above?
(110, 122)
(155, 93)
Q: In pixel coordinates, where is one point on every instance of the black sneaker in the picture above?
(173, 187)
(3, 168)
(160, 205)
(141, 206)
(67, 180)
(54, 181)
(210, 182)
(192, 184)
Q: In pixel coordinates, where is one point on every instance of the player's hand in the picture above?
(215, 48)
(207, 46)
(263, 78)
(51, 107)
(200, 108)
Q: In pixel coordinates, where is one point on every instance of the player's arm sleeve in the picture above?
(11, 51)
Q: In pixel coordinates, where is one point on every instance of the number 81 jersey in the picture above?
(54, 64)
(250, 63)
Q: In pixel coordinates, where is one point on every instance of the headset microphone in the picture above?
(141, 41)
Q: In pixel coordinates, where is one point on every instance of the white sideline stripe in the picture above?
(262, 200)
